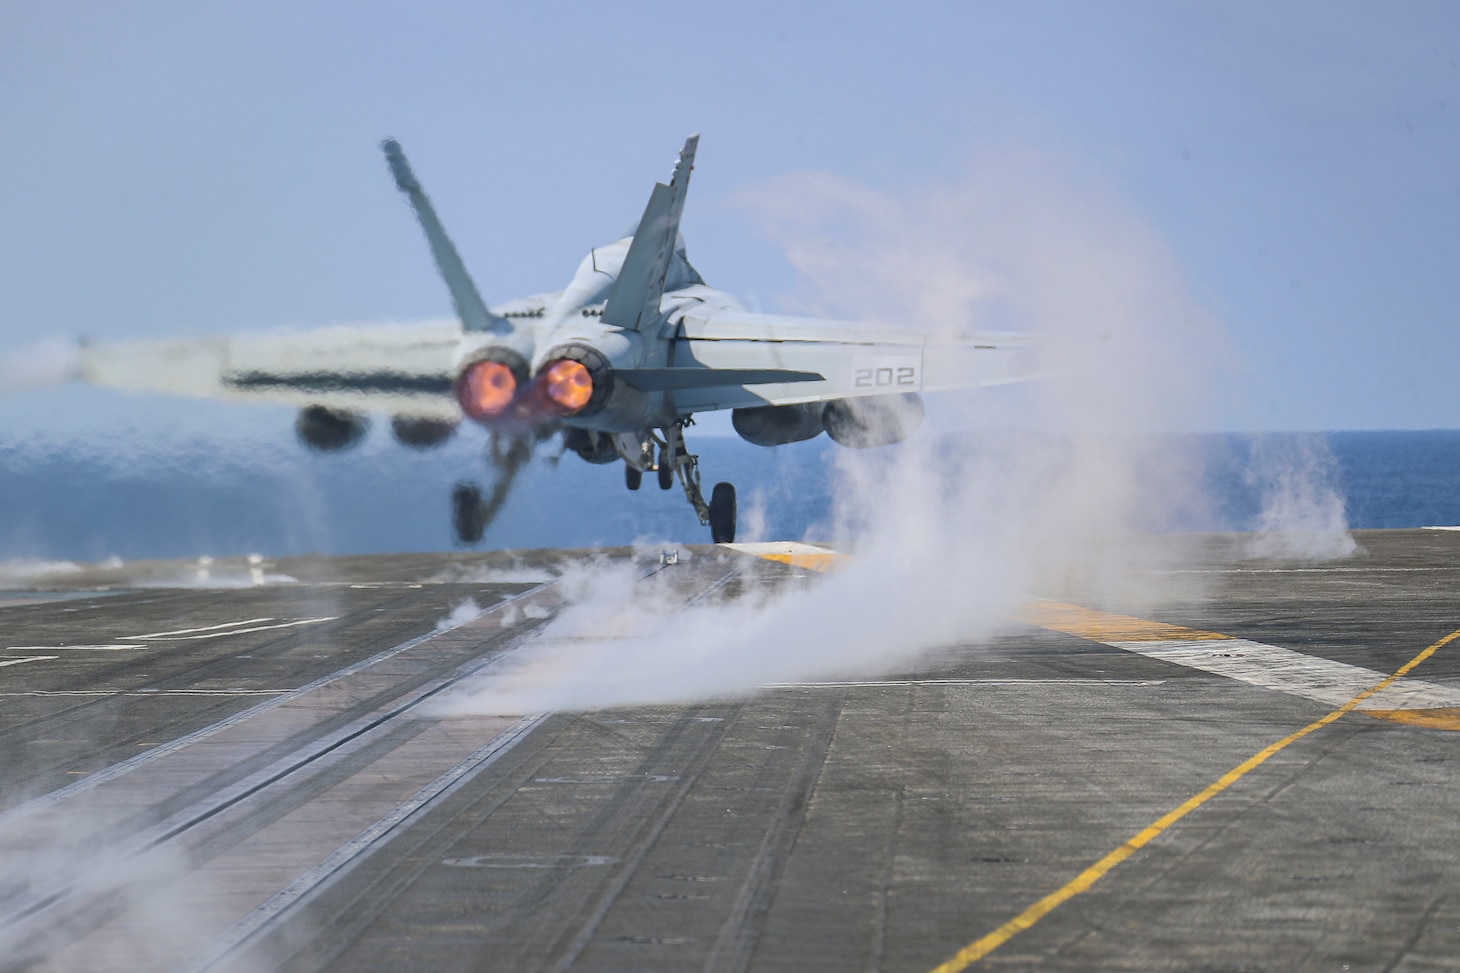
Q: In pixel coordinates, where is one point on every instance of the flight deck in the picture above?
(248, 765)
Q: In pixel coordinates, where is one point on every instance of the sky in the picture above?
(175, 168)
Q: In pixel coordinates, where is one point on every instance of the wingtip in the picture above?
(687, 154)
(395, 157)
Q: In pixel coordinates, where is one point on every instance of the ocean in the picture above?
(135, 495)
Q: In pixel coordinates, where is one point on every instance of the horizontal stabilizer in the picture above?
(671, 379)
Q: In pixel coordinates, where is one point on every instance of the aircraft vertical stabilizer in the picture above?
(634, 301)
(464, 296)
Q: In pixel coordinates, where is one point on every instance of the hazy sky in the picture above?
(173, 167)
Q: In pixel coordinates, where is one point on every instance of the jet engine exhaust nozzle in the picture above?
(567, 386)
(574, 380)
(488, 386)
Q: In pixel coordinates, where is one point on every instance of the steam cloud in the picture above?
(1033, 490)
(1302, 514)
(460, 614)
(163, 922)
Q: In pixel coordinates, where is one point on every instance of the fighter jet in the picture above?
(614, 366)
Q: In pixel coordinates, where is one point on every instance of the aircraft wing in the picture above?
(769, 359)
(403, 369)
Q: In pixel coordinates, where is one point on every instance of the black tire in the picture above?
(666, 469)
(722, 514)
(633, 476)
(466, 513)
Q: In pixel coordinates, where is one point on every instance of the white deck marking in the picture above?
(25, 658)
(57, 648)
(142, 692)
(211, 634)
(1296, 673)
(1255, 663)
(180, 635)
(205, 628)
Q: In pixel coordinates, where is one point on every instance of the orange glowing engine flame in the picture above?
(567, 385)
(486, 390)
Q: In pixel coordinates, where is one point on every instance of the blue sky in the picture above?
(180, 167)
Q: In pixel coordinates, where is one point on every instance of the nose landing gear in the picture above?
(466, 517)
(472, 512)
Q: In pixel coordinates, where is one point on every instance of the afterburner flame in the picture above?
(486, 389)
(567, 384)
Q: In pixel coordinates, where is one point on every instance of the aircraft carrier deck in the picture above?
(201, 773)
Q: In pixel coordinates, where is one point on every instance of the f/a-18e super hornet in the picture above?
(616, 364)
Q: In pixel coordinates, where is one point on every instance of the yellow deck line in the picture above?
(794, 553)
(1440, 718)
(816, 562)
(1082, 883)
(1099, 626)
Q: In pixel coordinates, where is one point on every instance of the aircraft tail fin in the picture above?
(464, 296)
(634, 301)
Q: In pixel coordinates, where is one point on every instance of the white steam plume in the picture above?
(1303, 515)
(461, 613)
(1038, 493)
(145, 908)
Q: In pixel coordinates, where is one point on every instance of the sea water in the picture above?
(142, 495)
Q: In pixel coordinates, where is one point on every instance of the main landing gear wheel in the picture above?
(675, 459)
(722, 514)
(633, 476)
(466, 513)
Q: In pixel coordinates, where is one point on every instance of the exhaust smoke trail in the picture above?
(37, 366)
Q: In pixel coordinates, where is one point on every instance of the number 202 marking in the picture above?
(868, 378)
